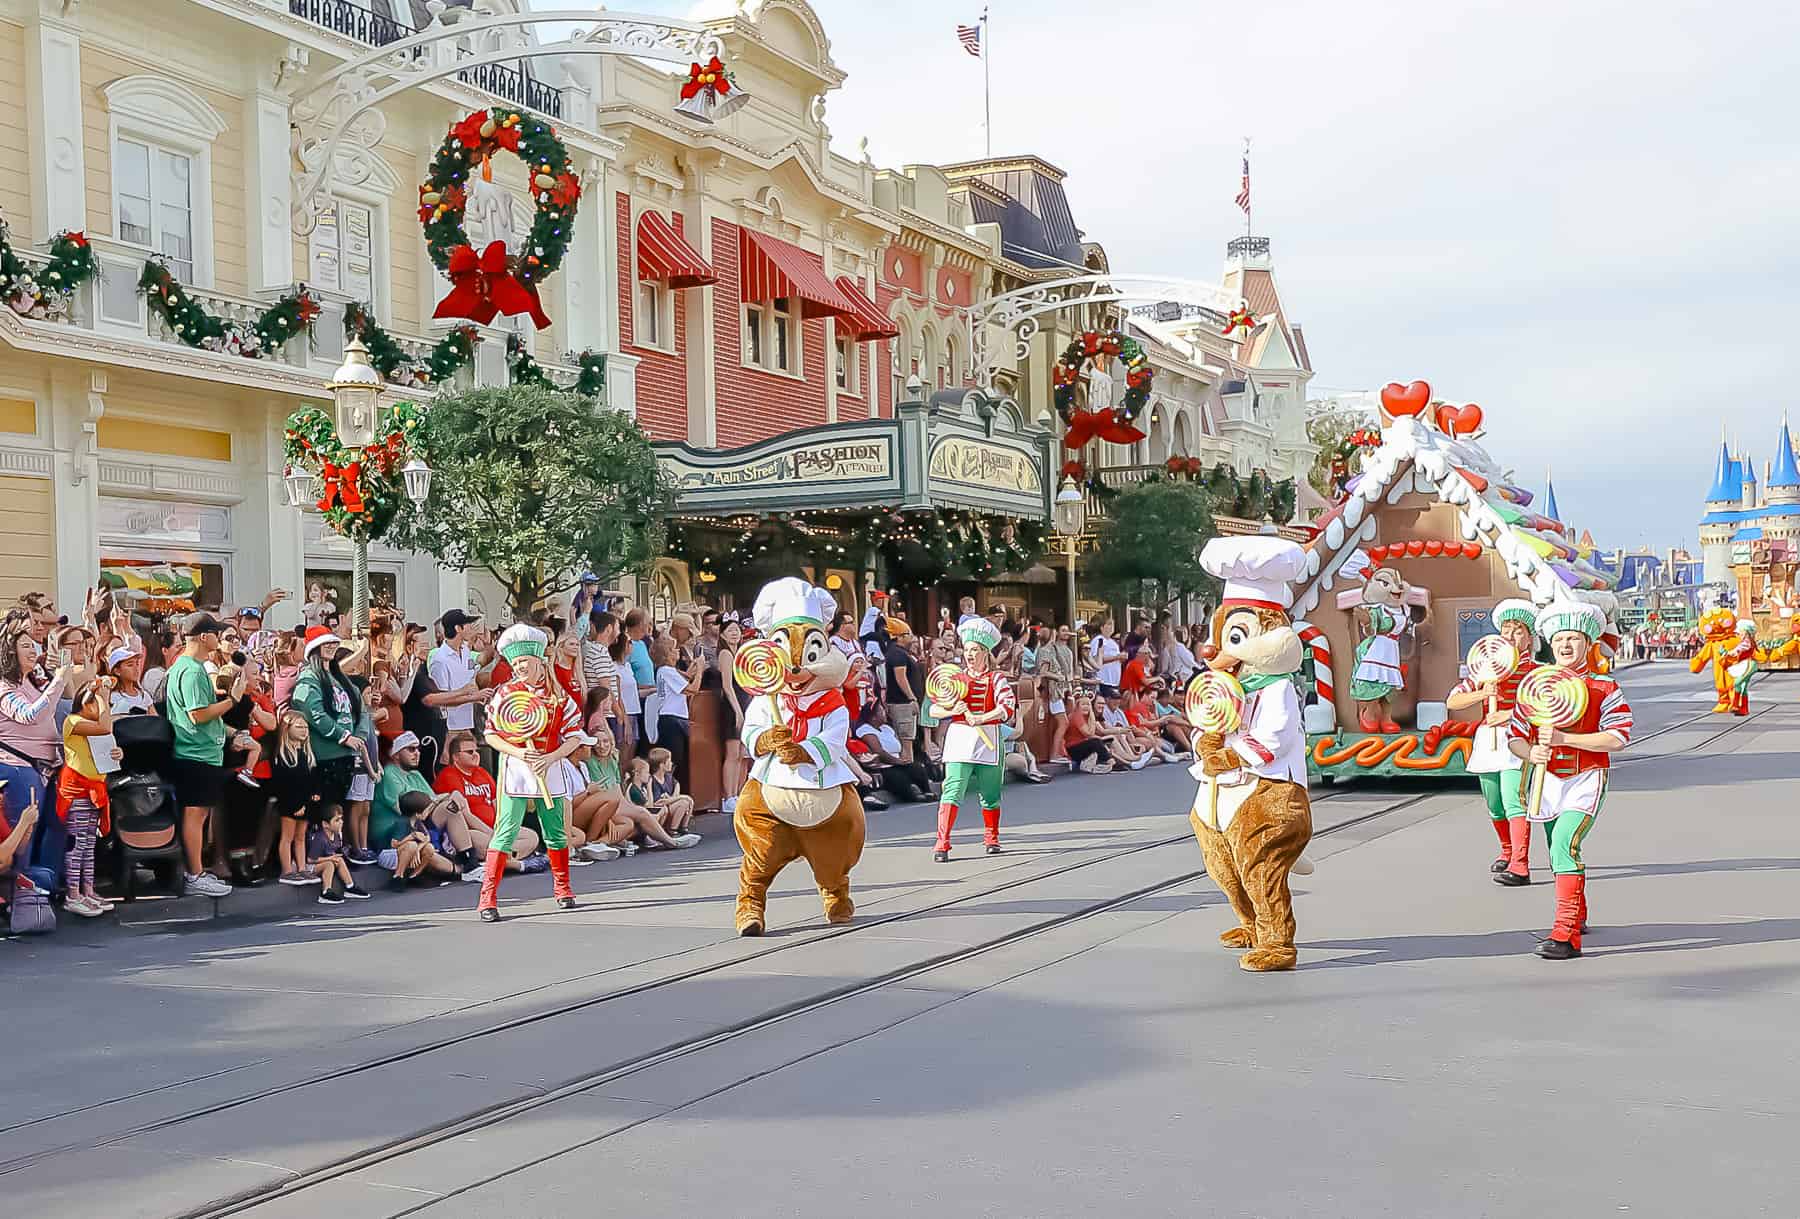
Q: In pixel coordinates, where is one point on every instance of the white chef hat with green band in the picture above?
(980, 630)
(1570, 616)
(1515, 609)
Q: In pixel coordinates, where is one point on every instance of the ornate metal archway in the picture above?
(1018, 311)
(337, 123)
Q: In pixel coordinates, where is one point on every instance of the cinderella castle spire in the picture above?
(1740, 513)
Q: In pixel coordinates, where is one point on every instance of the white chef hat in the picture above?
(1569, 616)
(791, 599)
(1514, 609)
(1257, 570)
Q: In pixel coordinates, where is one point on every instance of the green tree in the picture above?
(1149, 548)
(1328, 428)
(533, 486)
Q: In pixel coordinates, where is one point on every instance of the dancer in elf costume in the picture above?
(972, 746)
(531, 774)
(1575, 761)
(1490, 761)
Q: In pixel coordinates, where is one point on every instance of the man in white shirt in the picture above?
(452, 668)
(1105, 652)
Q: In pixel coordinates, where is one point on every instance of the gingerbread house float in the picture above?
(1401, 579)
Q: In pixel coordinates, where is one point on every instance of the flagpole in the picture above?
(1249, 229)
(987, 82)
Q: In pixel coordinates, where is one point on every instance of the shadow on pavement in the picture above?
(1599, 942)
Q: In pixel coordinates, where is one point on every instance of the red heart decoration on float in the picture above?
(1404, 401)
(1460, 421)
(1414, 549)
(1434, 548)
(1471, 550)
(1378, 553)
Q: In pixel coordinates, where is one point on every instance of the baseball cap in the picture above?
(250, 611)
(457, 619)
(200, 623)
(119, 656)
(406, 740)
(587, 577)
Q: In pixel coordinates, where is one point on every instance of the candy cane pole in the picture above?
(1320, 647)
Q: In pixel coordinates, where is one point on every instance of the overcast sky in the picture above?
(1580, 216)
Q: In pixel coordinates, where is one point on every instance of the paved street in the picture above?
(1050, 1032)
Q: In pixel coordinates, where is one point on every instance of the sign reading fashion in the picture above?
(828, 461)
(959, 459)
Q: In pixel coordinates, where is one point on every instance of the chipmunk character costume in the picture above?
(1264, 816)
(800, 799)
(1731, 652)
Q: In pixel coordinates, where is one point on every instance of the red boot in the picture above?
(559, 870)
(1569, 899)
(488, 908)
(990, 817)
(1519, 862)
(1504, 833)
(1367, 720)
(946, 822)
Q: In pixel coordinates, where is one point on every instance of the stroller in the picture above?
(145, 821)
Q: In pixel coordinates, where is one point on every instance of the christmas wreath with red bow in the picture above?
(491, 282)
(1115, 425)
(361, 490)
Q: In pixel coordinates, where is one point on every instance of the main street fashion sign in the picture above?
(835, 461)
(978, 463)
(847, 463)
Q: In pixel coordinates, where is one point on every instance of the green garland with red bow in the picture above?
(489, 282)
(190, 322)
(44, 293)
(1115, 425)
(361, 489)
(447, 358)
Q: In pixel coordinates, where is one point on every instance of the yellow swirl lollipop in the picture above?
(1215, 702)
(946, 685)
(1551, 696)
(760, 667)
(519, 718)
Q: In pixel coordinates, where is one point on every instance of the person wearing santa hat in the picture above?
(1495, 766)
(1575, 761)
(1252, 816)
(532, 773)
(972, 749)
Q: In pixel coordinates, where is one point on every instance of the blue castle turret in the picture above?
(1550, 499)
(1741, 512)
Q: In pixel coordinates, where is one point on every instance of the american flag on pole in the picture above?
(1243, 195)
(970, 37)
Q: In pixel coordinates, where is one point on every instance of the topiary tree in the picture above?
(1149, 548)
(532, 486)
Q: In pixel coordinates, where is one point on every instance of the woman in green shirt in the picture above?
(334, 711)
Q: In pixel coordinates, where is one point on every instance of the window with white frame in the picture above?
(342, 250)
(155, 188)
(652, 325)
(772, 336)
(848, 364)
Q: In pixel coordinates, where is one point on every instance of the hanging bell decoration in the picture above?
(709, 93)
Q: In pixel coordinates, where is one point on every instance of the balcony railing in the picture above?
(352, 21)
(377, 30)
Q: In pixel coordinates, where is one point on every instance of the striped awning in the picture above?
(663, 254)
(770, 269)
(867, 319)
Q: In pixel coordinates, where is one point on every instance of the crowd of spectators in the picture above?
(304, 756)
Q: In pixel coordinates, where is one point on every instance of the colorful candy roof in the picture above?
(1540, 552)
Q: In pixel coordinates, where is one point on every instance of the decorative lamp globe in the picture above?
(1070, 509)
(418, 480)
(302, 487)
(356, 387)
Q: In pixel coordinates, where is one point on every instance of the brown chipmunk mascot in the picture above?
(800, 800)
(1255, 831)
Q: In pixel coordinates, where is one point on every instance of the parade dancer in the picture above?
(1575, 761)
(972, 749)
(533, 724)
(1490, 761)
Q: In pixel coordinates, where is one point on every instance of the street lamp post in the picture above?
(356, 395)
(1070, 518)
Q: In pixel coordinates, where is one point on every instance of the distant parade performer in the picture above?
(1573, 761)
(975, 702)
(800, 799)
(533, 725)
(1730, 651)
(1498, 769)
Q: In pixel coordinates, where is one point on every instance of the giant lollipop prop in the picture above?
(761, 667)
(946, 686)
(521, 718)
(1551, 697)
(1491, 661)
(1215, 703)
